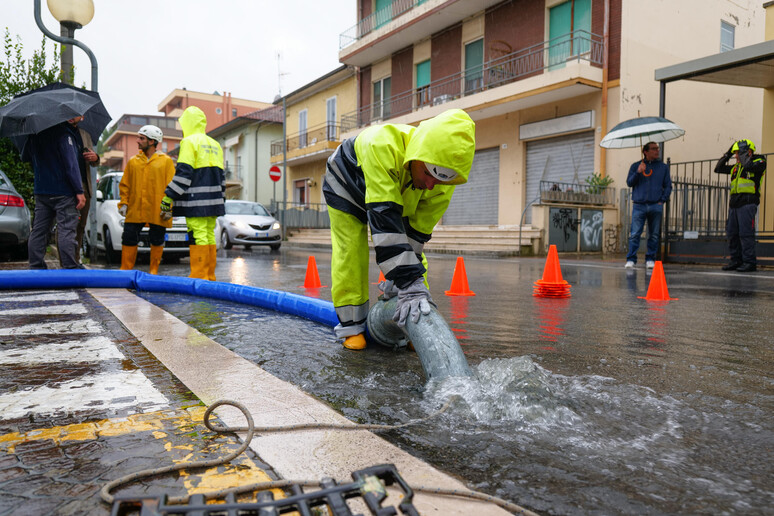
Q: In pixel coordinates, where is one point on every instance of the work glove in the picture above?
(166, 208)
(745, 159)
(122, 210)
(388, 288)
(414, 300)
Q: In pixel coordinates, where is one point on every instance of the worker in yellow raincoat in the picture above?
(142, 188)
(198, 190)
(397, 179)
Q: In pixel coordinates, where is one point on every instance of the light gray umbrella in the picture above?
(639, 131)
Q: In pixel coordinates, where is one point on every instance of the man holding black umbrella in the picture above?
(58, 192)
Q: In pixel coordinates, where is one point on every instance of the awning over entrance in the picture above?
(747, 66)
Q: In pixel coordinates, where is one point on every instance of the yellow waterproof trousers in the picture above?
(349, 272)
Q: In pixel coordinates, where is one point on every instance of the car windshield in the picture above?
(245, 208)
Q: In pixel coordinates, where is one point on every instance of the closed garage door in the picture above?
(565, 159)
(477, 201)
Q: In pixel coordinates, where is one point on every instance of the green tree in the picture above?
(18, 75)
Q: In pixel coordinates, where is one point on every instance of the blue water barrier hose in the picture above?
(310, 308)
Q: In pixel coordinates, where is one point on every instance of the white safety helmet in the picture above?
(151, 132)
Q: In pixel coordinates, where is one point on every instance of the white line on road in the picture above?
(39, 296)
(47, 310)
(114, 390)
(94, 349)
(55, 328)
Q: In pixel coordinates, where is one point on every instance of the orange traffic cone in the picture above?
(381, 278)
(552, 284)
(459, 284)
(312, 279)
(657, 289)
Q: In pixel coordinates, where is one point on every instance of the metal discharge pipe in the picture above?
(435, 343)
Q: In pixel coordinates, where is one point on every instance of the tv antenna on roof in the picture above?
(280, 74)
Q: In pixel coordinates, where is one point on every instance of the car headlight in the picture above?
(276, 225)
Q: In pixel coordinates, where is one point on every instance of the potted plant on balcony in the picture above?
(596, 186)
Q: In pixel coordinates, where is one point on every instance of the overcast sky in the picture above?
(146, 49)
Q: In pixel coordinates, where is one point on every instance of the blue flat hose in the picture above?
(310, 308)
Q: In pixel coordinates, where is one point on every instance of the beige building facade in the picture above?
(313, 132)
(545, 80)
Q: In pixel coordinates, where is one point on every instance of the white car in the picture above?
(248, 224)
(110, 224)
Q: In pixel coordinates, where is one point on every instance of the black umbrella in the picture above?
(37, 110)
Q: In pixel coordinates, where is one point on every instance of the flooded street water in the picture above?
(600, 403)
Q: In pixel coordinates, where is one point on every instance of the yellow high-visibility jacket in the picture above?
(369, 177)
(142, 187)
(198, 188)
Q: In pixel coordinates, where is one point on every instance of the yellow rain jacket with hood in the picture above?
(368, 181)
(199, 186)
(142, 187)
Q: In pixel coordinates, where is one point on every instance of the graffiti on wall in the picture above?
(591, 230)
(564, 220)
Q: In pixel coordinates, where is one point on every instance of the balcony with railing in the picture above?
(315, 143)
(387, 30)
(547, 56)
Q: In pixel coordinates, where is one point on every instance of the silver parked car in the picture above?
(248, 224)
(15, 220)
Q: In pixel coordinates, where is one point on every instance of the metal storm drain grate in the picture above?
(369, 485)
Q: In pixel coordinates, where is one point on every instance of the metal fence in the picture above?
(575, 46)
(699, 201)
(313, 135)
(301, 215)
(575, 193)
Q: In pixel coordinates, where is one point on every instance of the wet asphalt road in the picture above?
(705, 360)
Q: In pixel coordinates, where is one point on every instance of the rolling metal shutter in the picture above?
(564, 159)
(477, 201)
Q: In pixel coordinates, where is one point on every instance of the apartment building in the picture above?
(313, 132)
(545, 80)
(219, 109)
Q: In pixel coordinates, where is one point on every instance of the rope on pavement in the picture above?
(262, 486)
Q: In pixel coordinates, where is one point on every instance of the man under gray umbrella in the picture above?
(651, 186)
(58, 193)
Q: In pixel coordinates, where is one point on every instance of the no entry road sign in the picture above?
(274, 173)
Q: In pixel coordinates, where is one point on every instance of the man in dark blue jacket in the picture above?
(651, 186)
(58, 193)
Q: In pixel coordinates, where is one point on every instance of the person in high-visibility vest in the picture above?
(746, 175)
(398, 179)
(198, 191)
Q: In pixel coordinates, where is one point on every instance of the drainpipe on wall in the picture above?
(605, 71)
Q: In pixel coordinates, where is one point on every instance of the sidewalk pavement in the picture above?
(98, 383)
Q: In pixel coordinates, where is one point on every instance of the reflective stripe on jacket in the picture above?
(142, 187)
(199, 185)
(369, 177)
(741, 180)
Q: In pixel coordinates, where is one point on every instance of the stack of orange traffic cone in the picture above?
(312, 279)
(459, 284)
(552, 284)
(657, 289)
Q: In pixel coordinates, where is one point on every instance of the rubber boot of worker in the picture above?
(355, 342)
(211, 261)
(128, 257)
(199, 257)
(155, 258)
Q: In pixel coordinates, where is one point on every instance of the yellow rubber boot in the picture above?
(128, 257)
(155, 258)
(355, 342)
(211, 261)
(199, 258)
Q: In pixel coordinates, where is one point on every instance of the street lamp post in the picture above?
(71, 15)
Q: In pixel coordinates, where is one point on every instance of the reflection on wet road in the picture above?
(602, 402)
